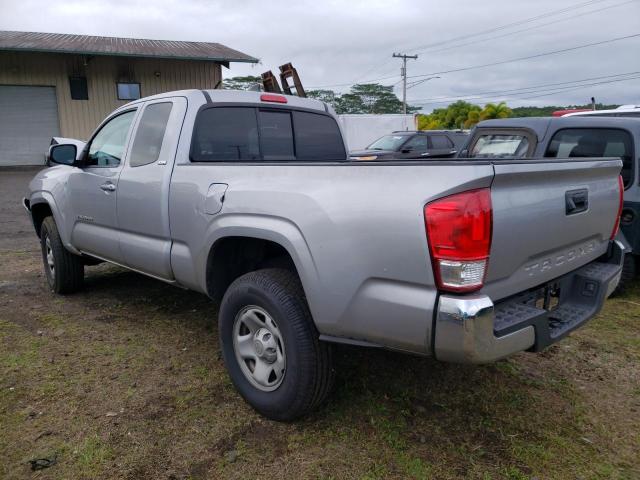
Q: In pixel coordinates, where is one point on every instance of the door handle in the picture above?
(108, 187)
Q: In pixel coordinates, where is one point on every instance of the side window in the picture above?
(419, 143)
(150, 133)
(594, 142)
(276, 135)
(107, 147)
(441, 142)
(226, 134)
(318, 138)
(500, 145)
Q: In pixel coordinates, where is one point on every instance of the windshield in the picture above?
(388, 142)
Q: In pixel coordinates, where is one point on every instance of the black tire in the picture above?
(67, 275)
(309, 374)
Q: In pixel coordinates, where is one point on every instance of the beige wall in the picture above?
(78, 118)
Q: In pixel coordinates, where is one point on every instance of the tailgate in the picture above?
(549, 218)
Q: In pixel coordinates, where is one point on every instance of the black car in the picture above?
(413, 144)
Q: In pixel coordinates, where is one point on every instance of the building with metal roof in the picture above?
(55, 84)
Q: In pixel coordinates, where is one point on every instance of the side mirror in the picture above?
(407, 150)
(63, 154)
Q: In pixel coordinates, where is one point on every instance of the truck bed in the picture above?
(356, 230)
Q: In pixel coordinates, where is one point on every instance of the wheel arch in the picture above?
(234, 255)
(41, 205)
(39, 211)
(274, 237)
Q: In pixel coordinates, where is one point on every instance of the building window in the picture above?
(128, 91)
(78, 87)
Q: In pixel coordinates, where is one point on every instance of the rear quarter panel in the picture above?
(355, 232)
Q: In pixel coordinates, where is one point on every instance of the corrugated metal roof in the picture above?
(133, 47)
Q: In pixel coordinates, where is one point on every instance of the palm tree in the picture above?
(473, 117)
(491, 110)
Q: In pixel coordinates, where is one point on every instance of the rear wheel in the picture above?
(64, 270)
(271, 347)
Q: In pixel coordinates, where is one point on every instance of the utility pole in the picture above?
(403, 72)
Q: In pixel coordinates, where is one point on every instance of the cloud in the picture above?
(336, 42)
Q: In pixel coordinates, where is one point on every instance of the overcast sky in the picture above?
(337, 43)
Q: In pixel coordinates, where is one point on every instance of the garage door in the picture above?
(28, 120)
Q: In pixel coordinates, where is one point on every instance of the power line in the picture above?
(520, 22)
(542, 92)
(528, 57)
(418, 82)
(539, 93)
(508, 25)
(581, 86)
(349, 83)
(522, 89)
(531, 28)
(502, 62)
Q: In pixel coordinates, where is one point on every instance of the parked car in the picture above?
(574, 136)
(413, 144)
(251, 199)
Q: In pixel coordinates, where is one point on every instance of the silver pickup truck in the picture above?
(250, 199)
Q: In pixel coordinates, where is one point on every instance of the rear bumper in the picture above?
(472, 329)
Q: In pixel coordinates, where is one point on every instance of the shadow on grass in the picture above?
(511, 414)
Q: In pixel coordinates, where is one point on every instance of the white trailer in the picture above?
(360, 130)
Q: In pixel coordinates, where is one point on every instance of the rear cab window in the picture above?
(502, 144)
(594, 142)
(227, 134)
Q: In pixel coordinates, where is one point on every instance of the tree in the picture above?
(241, 83)
(491, 110)
(363, 98)
(327, 96)
(460, 114)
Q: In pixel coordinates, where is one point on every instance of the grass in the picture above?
(125, 380)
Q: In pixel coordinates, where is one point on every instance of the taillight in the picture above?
(270, 97)
(616, 225)
(459, 236)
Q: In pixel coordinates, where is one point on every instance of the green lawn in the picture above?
(125, 380)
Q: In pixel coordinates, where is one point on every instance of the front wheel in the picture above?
(270, 345)
(64, 270)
